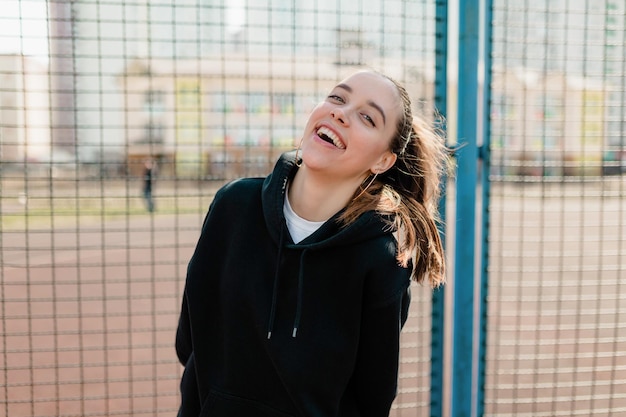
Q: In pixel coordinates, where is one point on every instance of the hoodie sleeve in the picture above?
(184, 347)
(190, 396)
(199, 268)
(183, 335)
(387, 298)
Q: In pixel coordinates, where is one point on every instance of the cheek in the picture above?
(378, 147)
(388, 140)
(317, 111)
(313, 118)
(377, 142)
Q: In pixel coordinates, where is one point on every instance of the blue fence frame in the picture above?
(469, 330)
(437, 376)
(463, 326)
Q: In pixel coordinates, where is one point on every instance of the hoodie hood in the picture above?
(331, 233)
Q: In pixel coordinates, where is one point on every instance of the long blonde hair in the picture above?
(409, 194)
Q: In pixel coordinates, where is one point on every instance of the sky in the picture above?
(23, 27)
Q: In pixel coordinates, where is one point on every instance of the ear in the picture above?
(385, 162)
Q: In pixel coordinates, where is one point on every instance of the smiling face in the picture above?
(348, 135)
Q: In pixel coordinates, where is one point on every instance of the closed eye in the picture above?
(336, 98)
(369, 119)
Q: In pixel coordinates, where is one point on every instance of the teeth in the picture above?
(332, 136)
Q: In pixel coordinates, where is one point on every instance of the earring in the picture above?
(298, 159)
(366, 187)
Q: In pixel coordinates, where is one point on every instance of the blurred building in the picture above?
(204, 122)
(558, 90)
(99, 47)
(579, 38)
(144, 78)
(63, 71)
(24, 110)
(548, 124)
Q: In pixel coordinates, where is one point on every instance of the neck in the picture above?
(316, 197)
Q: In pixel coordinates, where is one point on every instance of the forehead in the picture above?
(376, 88)
(374, 81)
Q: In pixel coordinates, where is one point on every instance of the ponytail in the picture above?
(408, 193)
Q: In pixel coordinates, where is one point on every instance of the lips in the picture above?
(329, 136)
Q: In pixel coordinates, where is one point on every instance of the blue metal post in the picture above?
(486, 190)
(438, 298)
(463, 369)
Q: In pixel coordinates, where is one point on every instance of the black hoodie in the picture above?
(270, 328)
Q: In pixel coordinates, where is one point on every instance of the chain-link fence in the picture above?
(92, 94)
(557, 302)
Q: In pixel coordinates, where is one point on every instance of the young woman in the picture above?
(299, 285)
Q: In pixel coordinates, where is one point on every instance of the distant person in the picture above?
(298, 288)
(149, 173)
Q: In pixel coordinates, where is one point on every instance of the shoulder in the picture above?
(387, 281)
(234, 200)
(239, 191)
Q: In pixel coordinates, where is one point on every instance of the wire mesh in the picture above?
(207, 91)
(557, 302)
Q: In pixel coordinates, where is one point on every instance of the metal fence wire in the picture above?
(204, 91)
(92, 92)
(557, 259)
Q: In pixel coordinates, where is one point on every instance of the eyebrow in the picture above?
(369, 102)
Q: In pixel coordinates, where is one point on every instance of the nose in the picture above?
(339, 115)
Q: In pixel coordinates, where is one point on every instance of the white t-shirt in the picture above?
(299, 228)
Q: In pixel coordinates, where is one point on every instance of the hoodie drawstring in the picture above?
(296, 322)
(270, 325)
(300, 291)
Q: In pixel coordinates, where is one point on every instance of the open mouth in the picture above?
(329, 136)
